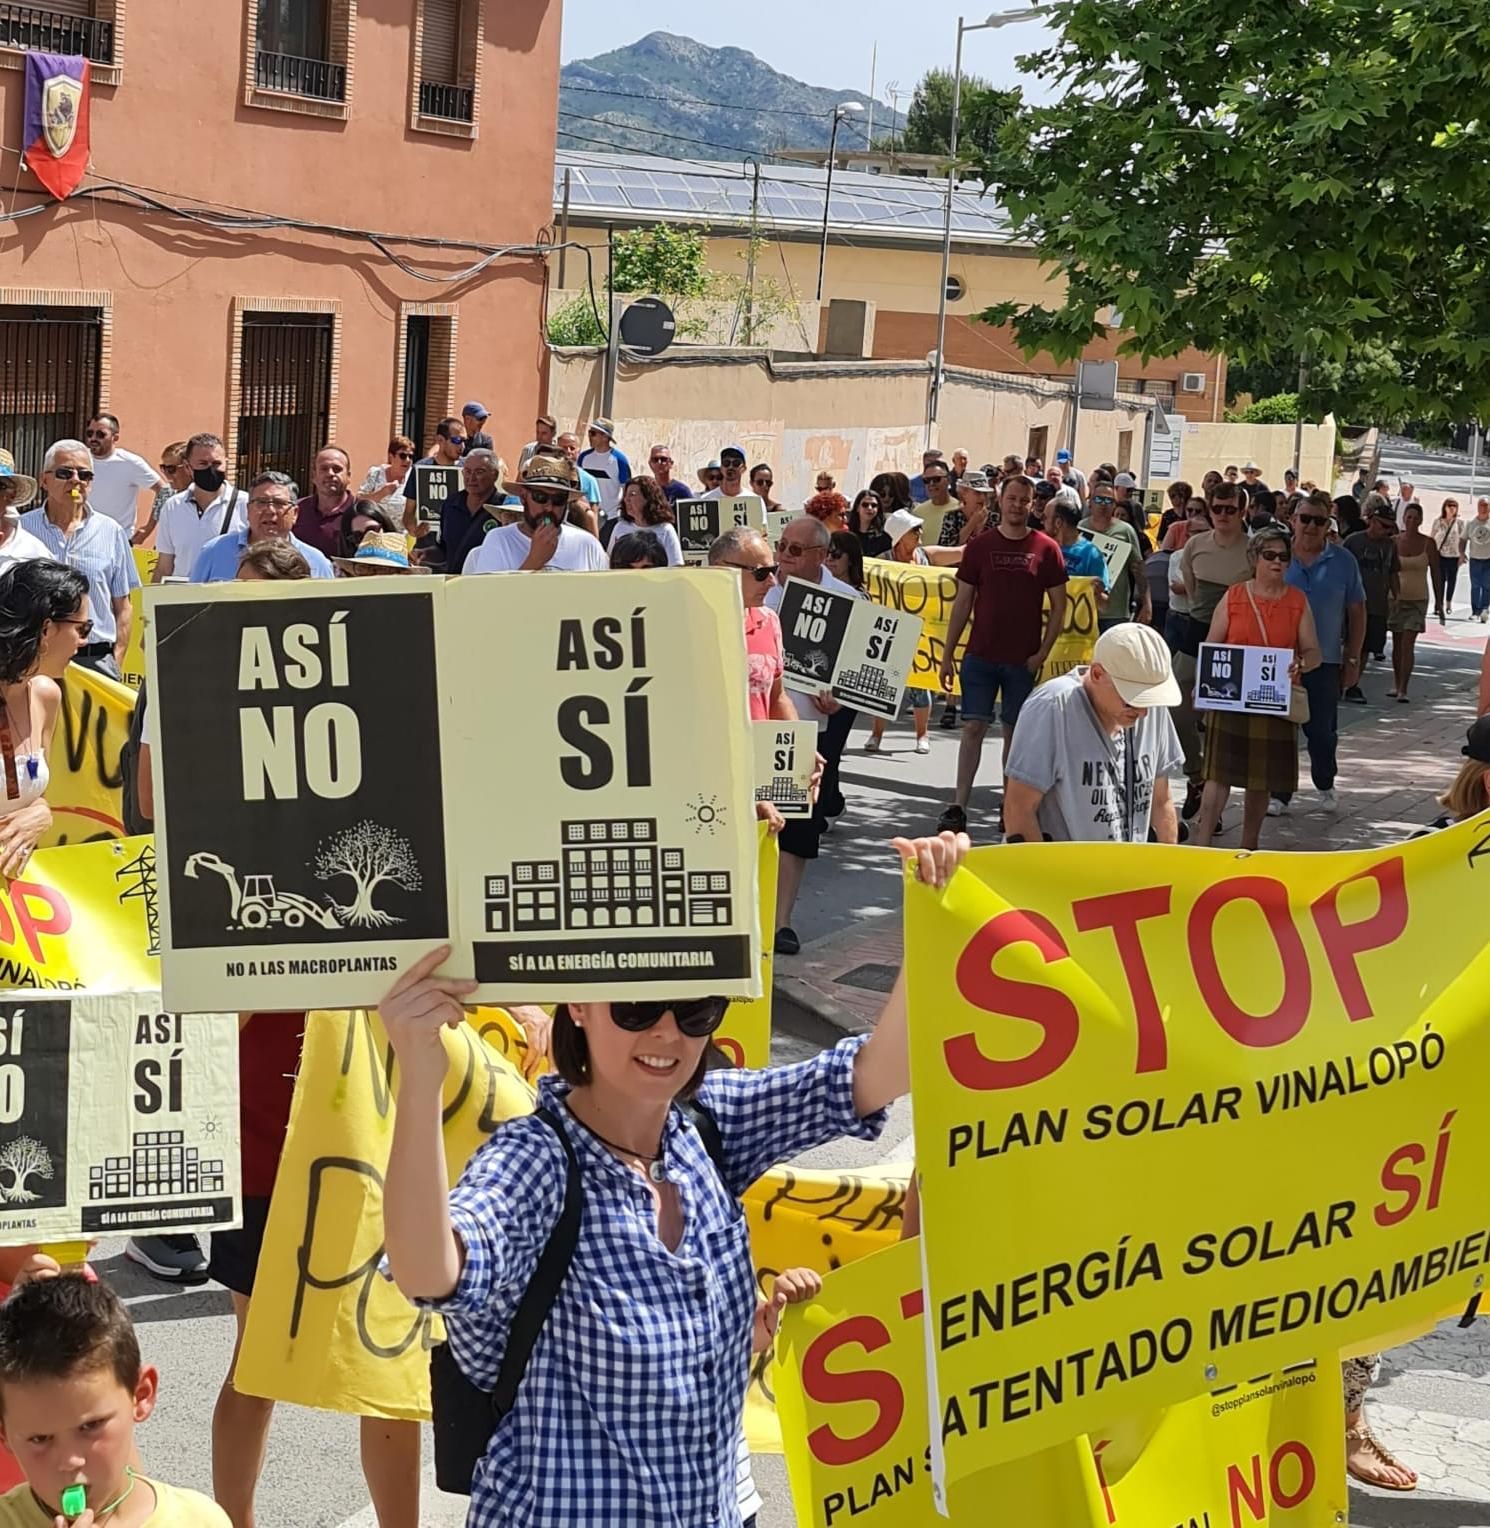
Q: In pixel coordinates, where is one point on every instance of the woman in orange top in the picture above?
(1258, 753)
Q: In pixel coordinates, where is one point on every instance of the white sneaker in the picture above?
(923, 745)
(1276, 808)
(1328, 801)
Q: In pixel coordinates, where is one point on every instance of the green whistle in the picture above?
(74, 1501)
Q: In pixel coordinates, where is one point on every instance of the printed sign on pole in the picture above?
(117, 1119)
(1250, 679)
(701, 522)
(432, 486)
(325, 804)
(785, 756)
(861, 651)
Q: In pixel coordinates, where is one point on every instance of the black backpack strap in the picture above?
(543, 1288)
(708, 1132)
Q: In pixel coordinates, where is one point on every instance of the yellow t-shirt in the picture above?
(174, 1508)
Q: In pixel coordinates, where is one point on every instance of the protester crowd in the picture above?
(1087, 756)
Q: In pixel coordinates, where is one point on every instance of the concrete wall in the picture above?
(851, 419)
(713, 323)
(1204, 446)
(184, 119)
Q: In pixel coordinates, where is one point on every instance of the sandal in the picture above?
(1363, 1437)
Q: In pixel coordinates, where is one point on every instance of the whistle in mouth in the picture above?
(74, 1501)
(77, 493)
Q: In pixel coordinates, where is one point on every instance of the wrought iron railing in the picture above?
(40, 30)
(318, 78)
(452, 103)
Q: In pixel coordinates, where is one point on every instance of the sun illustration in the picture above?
(705, 815)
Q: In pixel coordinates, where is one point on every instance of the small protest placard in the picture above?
(785, 756)
(702, 521)
(117, 1119)
(432, 486)
(1249, 679)
(860, 651)
(1115, 552)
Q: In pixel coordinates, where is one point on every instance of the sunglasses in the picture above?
(1106, 503)
(662, 461)
(547, 499)
(1226, 509)
(696, 1018)
(67, 474)
(1272, 554)
(1314, 519)
(405, 455)
(456, 440)
(85, 628)
(932, 478)
(95, 434)
(760, 575)
(793, 549)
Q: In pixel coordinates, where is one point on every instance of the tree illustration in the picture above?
(23, 1158)
(368, 854)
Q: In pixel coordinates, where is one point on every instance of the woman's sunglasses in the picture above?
(695, 1018)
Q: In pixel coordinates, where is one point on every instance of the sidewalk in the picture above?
(1432, 1403)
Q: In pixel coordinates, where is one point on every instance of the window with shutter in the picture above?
(446, 60)
(441, 41)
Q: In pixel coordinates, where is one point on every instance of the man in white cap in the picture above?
(1094, 749)
(607, 464)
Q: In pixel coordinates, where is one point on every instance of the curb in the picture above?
(814, 1002)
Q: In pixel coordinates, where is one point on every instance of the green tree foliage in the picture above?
(982, 110)
(1281, 408)
(662, 261)
(1267, 179)
(1357, 390)
(575, 324)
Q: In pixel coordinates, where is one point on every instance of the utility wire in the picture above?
(754, 111)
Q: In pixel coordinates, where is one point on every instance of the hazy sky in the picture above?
(822, 42)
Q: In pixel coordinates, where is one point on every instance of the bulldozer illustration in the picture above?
(256, 904)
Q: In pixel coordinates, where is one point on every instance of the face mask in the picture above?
(209, 479)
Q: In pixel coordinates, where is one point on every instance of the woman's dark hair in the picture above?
(846, 544)
(877, 523)
(636, 546)
(893, 490)
(349, 540)
(1136, 516)
(274, 560)
(571, 1053)
(31, 594)
(655, 507)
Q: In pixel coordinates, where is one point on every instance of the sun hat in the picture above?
(901, 523)
(544, 471)
(975, 480)
(1477, 745)
(380, 552)
(1136, 659)
(25, 486)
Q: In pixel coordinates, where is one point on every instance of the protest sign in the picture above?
(1235, 678)
(84, 759)
(115, 1118)
(432, 486)
(340, 721)
(1073, 1048)
(860, 651)
(132, 665)
(745, 1035)
(851, 1395)
(701, 522)
(929, 593)
(785, 758)
(1115, 552)
(777, 521)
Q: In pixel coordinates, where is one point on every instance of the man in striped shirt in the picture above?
(95, 545)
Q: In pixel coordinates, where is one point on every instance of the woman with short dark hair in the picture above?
(43, 623)
(644, 506)
(637, 549)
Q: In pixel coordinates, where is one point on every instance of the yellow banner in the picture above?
(133, 666)
(745, 1035)
(851, 1391)
(1233, 1116)
(929, 592)
(83, 916)
(86, 776)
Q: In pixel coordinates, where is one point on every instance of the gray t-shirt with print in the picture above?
(1061, 749)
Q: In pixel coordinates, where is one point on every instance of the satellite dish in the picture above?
(648, 326)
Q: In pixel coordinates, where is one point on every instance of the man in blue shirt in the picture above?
(568, 443)
(1083, 559)
(271, 512)
(607, 464)
(1331, 580)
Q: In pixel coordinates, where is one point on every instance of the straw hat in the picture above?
(25, 486)
(380, 552)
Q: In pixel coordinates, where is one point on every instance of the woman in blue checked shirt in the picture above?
(630, 1409)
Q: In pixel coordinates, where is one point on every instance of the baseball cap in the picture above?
(731, 451)
(478, 409)
(1125, 480)
(902, 521)
(1478, 745)
(605, 427)
(1136, 659)
(1063, 457)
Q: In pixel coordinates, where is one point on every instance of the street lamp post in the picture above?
(839, 113)
(998, 19)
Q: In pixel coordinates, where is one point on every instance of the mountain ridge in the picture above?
(677, 98)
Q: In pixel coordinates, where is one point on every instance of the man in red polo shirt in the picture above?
(318, 515)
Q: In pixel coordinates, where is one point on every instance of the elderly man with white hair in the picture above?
(95, 545)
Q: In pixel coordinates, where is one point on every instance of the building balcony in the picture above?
(316, 78)
(34, 29)
(450, 103)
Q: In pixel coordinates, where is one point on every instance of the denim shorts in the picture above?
(983, 683)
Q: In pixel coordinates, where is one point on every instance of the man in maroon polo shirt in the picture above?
(318, 515)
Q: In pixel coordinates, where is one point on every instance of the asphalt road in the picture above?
(1434, 471)
(313, 1478)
